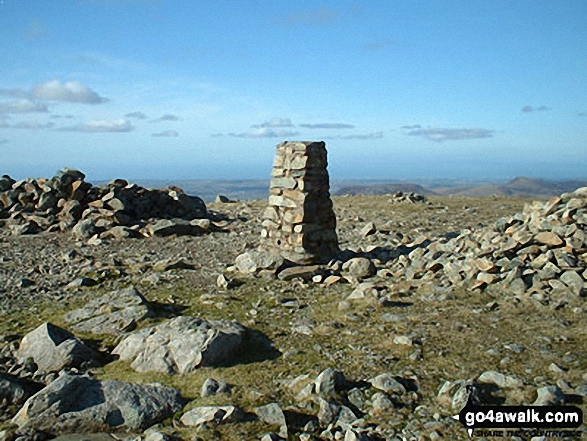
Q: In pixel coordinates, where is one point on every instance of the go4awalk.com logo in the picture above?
(521, 421)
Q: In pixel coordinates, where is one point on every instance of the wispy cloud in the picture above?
(56, 116)
(116, 126)
(376, 135)
(328, 126)
(36, 30)
(166, 134)
(22, 106)
(275, 122)
(529, 109)
(412, 127)
(265, 132)
(166, 117)
(442, 135)
(380, 44)
(14, 93)
(312, 17)
(26, 125)
(72, 92)
(3, 141)
(137, 115)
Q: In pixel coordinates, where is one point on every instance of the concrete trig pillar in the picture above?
(299, 223)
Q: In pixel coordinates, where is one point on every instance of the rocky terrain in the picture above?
(178, 328)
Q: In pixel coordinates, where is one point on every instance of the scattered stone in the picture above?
(359, 267)
(549, 396)
(213, 387)
(256, 260)
(387, 383)
(329, 382)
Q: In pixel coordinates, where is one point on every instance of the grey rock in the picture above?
(213, 387)
(223, 199)
(272, 414)
(212, 414)
(253, 261)
(380, 403)
(359, 267)
(74, 404)
(181, 345)
(53, 348)
(180, 227)
(17, 390)
(387, 383)
(115, 312)
(500, 380)
(84, 229)
(329, 382)
(549, 396)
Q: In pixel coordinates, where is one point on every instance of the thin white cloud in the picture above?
(412, 127)
(328, 126)
(56, 116)
(442, 135)
(166, 117)
(312, 17)
(36, 30)
(265, 132)
(275, 122)
(116, 126)
(14, 93)
(72, 92)
(137, 115)
(27, 125)
(376, 135)
(376, 45)
(22, 106)
(166, 134)
(529, 109)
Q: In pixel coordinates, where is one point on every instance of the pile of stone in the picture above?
(540, 252)
(299, 223)
(119, 209)
(412, 198)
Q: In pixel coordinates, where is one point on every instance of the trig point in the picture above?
(299, 223)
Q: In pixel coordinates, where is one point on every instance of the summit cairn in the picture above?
(299, 224)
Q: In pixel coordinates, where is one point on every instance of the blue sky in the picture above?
(206, 89)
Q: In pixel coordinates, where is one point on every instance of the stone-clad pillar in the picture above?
(299, 223)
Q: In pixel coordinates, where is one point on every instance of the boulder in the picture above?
(80, 403)
(182, 344)
(53, 348)
(15, 390)
(180, 227)
(115, 312)
(359, 267)
(253, 261)
(212, 414)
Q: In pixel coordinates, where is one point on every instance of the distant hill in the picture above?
(383, 189)
(520, 186)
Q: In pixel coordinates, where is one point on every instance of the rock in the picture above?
(53, 348)
(272, 414)
(368, 230)
(403, 340)
(359, 267)
(120, 232)
(172, 264)
(223, 200)
(500, 380)
(115, 312)
(81, 282)
(213, 387)
(179, 227)
(17, 390)
(84, 229)
(74, 404)
(303, 272)
(387, 383)
(549, 396)
(548, 238)
(380, 403)
(212, 414)
(255, 260)
(182, 344)
(329, 382)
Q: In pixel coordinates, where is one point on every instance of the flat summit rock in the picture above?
(77, 404)
(181, 345)
(115, 312)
